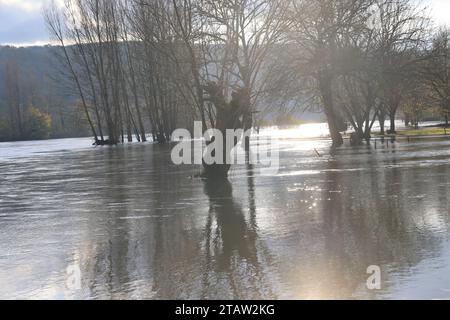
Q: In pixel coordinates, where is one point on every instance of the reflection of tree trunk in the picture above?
(232, 242)
(251, 199)
(327, 96)
(248, 124)
(216, 170)
(234, 230)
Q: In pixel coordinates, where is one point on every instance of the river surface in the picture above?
(78, 222)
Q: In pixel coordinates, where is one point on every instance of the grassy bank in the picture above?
(423, 132)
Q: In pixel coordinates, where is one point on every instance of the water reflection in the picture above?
(232, 247)
(138, 227)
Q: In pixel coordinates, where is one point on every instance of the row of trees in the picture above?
(161, 64)
(155, 65)
(360, 60)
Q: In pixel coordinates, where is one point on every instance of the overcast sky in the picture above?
(21, 21)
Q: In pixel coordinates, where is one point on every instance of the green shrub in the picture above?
(38, 125)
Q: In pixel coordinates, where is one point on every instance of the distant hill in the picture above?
(35, 64)
(41, 85)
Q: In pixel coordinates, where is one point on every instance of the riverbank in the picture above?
(426, 131)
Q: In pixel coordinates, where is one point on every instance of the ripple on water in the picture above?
(138, 228)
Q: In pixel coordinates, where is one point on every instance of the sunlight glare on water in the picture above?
(305, 131)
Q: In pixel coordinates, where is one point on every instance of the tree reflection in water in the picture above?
(232, 245)
(138, 228)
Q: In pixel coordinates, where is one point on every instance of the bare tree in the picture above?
(400, 29)
(56, 24)
(318, 28)
(437, 72)
(13, 100)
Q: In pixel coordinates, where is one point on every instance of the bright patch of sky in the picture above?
(440, 11)
(21, 21)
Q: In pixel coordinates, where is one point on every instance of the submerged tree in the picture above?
(355, 58)
(111, 70)
(318, 29)
(401, 28)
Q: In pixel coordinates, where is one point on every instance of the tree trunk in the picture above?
(392, 119)
(228, 117)
(129, 133)
(356, 138)
(326, 91)
(382, 120)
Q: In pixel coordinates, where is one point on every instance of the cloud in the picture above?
(24, 5)
(21, 22)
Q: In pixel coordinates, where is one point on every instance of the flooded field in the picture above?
(123, 222)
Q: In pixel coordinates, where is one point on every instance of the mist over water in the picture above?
(137, 226)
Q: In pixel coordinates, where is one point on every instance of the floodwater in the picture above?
(78, 222)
